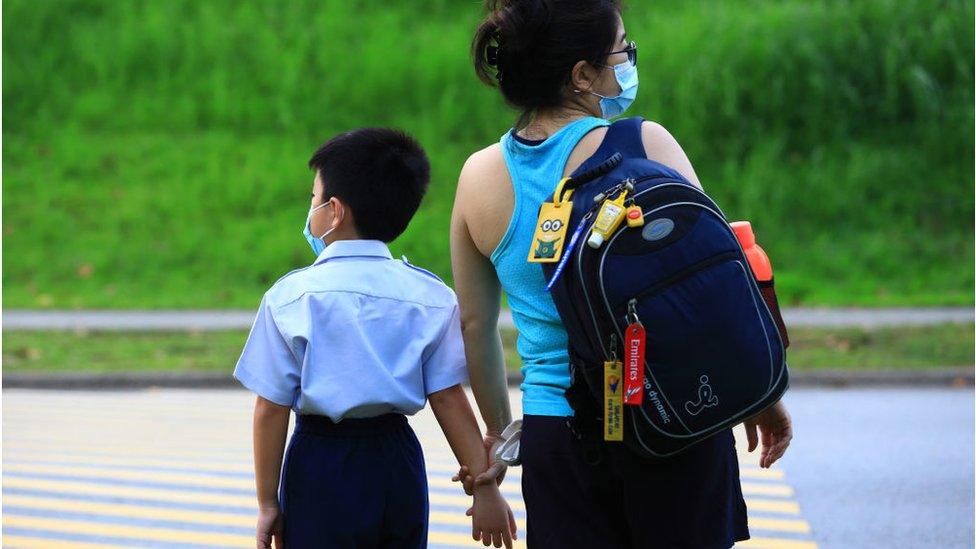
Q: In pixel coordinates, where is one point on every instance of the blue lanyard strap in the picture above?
(567, 252)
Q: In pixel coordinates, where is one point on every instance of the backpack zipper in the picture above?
(683, 274)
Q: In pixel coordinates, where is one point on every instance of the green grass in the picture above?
(855, 348)
(154, 152)
(93, 352)
(104, 352)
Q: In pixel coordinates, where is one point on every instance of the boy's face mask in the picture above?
(626, 76)
(316, 242)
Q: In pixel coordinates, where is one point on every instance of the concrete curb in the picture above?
(238, 319)
(937, 377)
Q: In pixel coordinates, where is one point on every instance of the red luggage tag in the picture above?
(634, 343)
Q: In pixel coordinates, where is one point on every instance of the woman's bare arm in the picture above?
(479, 297)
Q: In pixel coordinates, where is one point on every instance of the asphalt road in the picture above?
(172, 468)
(885, 468)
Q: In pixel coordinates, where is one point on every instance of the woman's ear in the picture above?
(583, 76)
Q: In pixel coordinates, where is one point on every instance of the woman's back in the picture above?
(534, 168)
(499, 206)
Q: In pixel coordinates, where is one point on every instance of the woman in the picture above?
(567, 66)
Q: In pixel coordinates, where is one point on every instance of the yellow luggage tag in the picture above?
(550, 228)
(613, 402)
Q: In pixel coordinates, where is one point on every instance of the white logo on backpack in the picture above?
(705, 398)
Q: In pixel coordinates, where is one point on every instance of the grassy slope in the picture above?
(154, 152)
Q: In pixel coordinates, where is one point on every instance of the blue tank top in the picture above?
(535, 170)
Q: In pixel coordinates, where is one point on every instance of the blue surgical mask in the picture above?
(626, 75)
(316, 242)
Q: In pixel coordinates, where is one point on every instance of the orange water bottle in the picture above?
(762, 269)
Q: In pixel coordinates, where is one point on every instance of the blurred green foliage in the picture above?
(154, 152)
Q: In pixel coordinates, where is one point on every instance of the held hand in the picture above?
(496, 468)
(270, 526)
(776, 429)
(492, 520)
(495, 471)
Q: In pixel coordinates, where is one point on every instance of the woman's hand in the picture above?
(270, 526)
(777, 430)
(494, 473)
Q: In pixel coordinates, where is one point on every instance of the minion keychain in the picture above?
(551, 226)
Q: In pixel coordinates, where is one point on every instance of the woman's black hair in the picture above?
(528, 47)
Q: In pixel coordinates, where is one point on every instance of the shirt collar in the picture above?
(354, 248)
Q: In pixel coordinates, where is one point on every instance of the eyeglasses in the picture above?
(631, 51)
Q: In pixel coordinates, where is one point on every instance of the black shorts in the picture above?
(356, 484)
(692, 500)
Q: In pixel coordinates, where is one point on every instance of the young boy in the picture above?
(353, 344)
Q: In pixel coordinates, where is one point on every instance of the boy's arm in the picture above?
(457, 421)
(493, 519)
(270, 432)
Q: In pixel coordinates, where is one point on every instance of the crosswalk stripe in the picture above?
(438, 466)
(72, 526)
(755, 489)
(149, 512)
(189, 480)
(779, 525)
(776, 543)
(130, 511)
(165, 472)
(462, 540)
(773, 506)
(26, 542)
(94, 488)
(212, 498)
(233, 519)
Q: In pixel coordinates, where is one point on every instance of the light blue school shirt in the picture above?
(542, 341)
(356, 334)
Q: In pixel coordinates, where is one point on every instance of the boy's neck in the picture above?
(343, 234)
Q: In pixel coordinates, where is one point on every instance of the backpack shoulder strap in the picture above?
(624, 137)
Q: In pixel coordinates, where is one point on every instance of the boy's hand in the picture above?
(270, 525)
(495, 472)
(492, 520)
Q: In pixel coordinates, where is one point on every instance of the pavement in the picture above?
(884, 468)
(867, 468)
(202, 320)
(173, 469)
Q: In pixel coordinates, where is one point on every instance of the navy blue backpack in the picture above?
(713, 355)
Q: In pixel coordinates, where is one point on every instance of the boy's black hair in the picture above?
(381, 173)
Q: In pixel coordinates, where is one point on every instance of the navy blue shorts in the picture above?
(692, 500)
(359, 483)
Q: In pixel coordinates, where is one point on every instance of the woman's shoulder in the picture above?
(484, 158)
(484, 166)
(661, 146)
